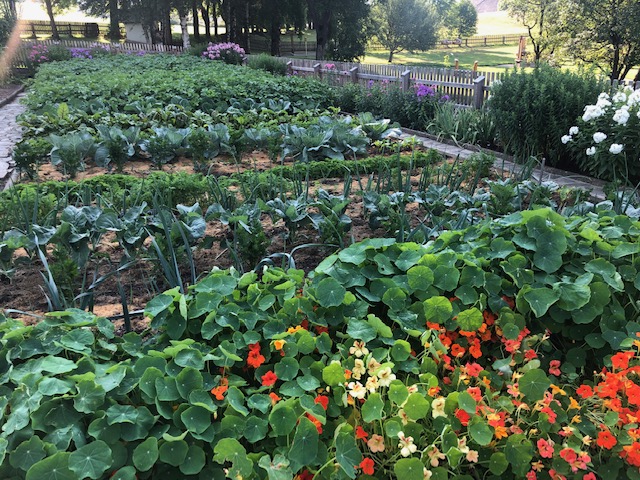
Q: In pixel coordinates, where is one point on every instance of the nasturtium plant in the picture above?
(468, 356)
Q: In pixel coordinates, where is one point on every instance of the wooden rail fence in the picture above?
(36, 28)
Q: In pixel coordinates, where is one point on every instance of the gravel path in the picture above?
(10, 134)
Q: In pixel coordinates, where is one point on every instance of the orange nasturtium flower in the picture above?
(360, 433)
(367, 466)
(278, 344)
(606, 440)
(221, 389)
(255, 358)
(274, 398)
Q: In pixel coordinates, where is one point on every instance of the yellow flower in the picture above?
(437, 407)
(574, 405)
(278, 344)
(292, 330)
(576, 419)
(555, 389)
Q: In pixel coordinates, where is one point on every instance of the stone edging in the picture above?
(12, 96)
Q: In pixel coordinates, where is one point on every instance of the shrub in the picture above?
(412, 109)
(532, 110)
(267, 63)
(229, 53)
(606, 139)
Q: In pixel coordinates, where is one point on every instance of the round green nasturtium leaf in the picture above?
(519, 452)
(194, 461)
(308, 382)
(446, 278)
(533, 384)
(409, 469)
(91, 460)
(398, 392)
(125, 473)
(282, 420)
(190, 357)
(28, 453)
(372, 408)
(437, 309)
(231, 450)
(361, 330)
(510, 331)
(196, 419)
(278, 469)
(188, 380)
(173, 453)
(348, 455)
(90, 396)
(395, 298)
(416, 406)
(304, 447)
(467, 403)
(498, 463)
(470, 320)
(51, 386)
(55, 467)
(420, 278)
(401, 350)
(255, 429)
(333, 375)
(540, 299)
(145, 455)
(287, 368)
(330, 293)
(549, 249)
(480, 433)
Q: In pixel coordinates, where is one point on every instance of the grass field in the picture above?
(494, 57)
(498, 23)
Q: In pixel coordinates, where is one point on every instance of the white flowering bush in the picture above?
(606, 139)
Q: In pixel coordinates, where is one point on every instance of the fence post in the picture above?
(317, 72)
(354, 74)
(289, 67)
(405, 76)
(478, 92)
(485, 41)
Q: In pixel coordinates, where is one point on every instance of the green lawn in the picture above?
(487, 57)
(498, 23)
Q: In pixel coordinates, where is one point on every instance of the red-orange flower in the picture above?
(463, 416)
(606, 440)
(457, 350)
(631, 454)
(367, 466)
(269, 378)
(360, 433)
(274, 398)
(554, 367)
(620, 360)
(585, 391)
(220, 390)
(255, 358)
(322, 400)
(315, 421)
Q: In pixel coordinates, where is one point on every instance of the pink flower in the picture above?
(554, 367)
(545, 448)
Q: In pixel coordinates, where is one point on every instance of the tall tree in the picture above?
(323, 15)
(604, 33)
(405, 25)
(52, 20)
(462, 19)
(541, 18)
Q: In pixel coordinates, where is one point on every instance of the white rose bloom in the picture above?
(566, 139)
(591, 151)
(599, 137)
(621, 117)
(616, 148)
(591, 112)
(603, 103)
(633, 98)
(620, 97)
(603, 96)
(573, 131)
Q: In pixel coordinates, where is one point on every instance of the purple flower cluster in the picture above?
(80, 53)
(227, 52)
(423, 90)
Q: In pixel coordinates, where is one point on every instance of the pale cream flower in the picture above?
(358, 349)
(358, 369)
(406, 445)
(472, 456)
(437, 407)
(372, 384)
(372, 366)
(356, 390)
(386, 376)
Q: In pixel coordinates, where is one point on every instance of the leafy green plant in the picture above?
(165, 144)
(531, 111)
(70, 151)
(268, 63)
(294, 213)
(116, 146)
(30, 153)
(376, 129)
(206, 144)
(332, 222)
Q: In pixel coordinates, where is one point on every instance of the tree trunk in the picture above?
(275, 36)
(54, 28)
(185, 32)
(114, 20)
(196, 21)
(165, 19)
(390, 56)
(204, 12)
